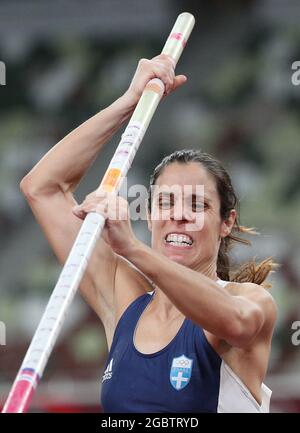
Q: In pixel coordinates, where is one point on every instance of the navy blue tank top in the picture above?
(182, 377)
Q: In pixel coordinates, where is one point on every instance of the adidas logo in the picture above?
(108, 372)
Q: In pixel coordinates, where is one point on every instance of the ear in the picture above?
(226, 226)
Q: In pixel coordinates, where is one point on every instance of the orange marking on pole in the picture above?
(154, 88)
(111, 178)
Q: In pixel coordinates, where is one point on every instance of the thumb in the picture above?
(179, 81)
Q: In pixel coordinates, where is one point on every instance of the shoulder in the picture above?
(258, 295)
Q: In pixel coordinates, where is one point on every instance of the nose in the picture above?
(181, 212)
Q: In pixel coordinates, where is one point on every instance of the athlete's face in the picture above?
(185, 221)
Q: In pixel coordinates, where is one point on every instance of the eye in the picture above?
(198, 206)
(164, 204)
(165, 201)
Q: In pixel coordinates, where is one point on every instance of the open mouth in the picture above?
(179, 240)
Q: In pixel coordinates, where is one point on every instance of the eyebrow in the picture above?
(194, 196)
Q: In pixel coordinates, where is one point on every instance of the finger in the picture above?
(90, 195)
(117, 209)
(78, 212)
(102, 209)
(165, 76)
(82, 206)
(143, 62)
(165, 58)
(88, 206)
(179, 80)
(163, 69)
(93, 199)
(101, 193)
(167, 64)
(169, 89)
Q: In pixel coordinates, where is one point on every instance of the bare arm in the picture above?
(49, 187)
(66, 163)
(237, 319)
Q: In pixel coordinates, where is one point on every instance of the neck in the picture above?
(161, 304)
(209, 269)
(163, 307)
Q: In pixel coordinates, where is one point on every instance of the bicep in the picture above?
(257, 314)
(268, 308)
(260, 299)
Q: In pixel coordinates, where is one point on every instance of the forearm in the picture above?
(198, 297)
(67, 162)
(194, 294)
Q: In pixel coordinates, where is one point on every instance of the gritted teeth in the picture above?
(179, 238)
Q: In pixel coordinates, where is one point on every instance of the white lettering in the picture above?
(2, 74)
(296, 335)
(296, 75)
(124, 423)
(194, 422)
(2, 334)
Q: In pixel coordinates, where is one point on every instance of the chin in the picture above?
(177, 258)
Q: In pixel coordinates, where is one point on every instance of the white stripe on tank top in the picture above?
(234, 396)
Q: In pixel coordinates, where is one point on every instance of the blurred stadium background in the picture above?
(65, 61)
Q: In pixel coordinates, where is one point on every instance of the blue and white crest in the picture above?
(181, 371)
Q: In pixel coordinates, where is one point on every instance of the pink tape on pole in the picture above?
(21, 393)
(178, 37)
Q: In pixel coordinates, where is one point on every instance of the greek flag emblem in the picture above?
(181, 371)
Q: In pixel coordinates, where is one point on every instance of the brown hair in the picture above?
(248, 272)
